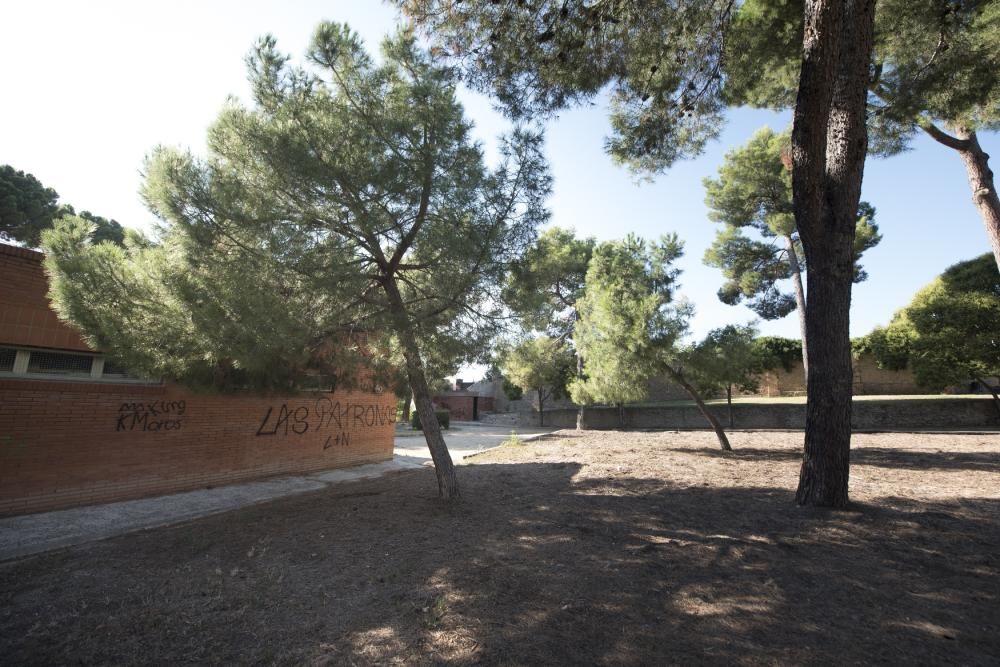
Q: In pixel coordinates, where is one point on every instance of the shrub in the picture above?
(443, 417)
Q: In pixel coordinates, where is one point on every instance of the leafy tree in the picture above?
(754, 192)
(936, 70)
(545, 288)
(27, 208)
(543, 365)
(630, 325)
(726, 358)
(775, 351)
(346, 207)
(950, 332)
(667, 67)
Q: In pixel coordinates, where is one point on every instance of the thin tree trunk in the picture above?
(729, 404)
(709, 417)
(800, 302)
(443, 466)
(984, 193)
(541, 409)
(406, 406)
(581, 410)
(621, 415)
(993, 390)
(829, 143)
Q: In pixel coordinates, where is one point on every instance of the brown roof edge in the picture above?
(25, 253)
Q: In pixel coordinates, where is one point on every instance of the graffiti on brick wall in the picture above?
(334, 417)
(153, 416)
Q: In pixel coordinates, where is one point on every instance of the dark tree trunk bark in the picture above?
(729, 404)
(829, 143)
(679, 378)
(800, 302)
(581, 410)
(984, 193)
(443, 466)
(541, 409)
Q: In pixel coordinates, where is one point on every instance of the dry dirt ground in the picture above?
(604, 548)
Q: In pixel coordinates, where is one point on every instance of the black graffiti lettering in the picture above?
(260, 429)
(359, 413)
(136, 416)
(342, 439)
(324, 412)
(300, 415)
(370, 412)
(121, 423)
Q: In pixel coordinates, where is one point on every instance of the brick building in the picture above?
(467, 401)
(75, 429)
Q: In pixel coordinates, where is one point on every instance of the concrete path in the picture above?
(463, 439)
(37, 533)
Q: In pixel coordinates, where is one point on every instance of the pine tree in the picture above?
(347, 205)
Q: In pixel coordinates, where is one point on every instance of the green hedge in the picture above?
(443, 417)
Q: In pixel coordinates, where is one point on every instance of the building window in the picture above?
(28, 363)
(7, 357)
(60, 363)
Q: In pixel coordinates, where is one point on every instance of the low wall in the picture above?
(64, 444)
(945, 413)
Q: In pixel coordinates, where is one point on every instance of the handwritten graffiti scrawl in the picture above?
(325, 415)
(152, 416)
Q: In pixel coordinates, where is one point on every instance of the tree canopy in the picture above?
(27, 208)
(935, 69)
(950, 333)
(544, 365)
(629, 322)
(545, 287)
(726, 358)
(347, 206)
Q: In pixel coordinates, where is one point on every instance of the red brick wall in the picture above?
(64, 444)
(25, 316)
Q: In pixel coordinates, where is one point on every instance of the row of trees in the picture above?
(947, 336)
(348, 204)
(673, 68)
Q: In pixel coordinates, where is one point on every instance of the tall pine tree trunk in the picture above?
(829, 143)
(679, 378)
(443, 466)
(541, 409)
(977, 167)
(581, 410)
(800, 302)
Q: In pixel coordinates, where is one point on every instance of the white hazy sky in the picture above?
(91, 87)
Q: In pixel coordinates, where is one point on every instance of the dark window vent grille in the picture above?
(7, 356)
(55, 363)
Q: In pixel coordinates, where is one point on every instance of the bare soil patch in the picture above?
(598, 548)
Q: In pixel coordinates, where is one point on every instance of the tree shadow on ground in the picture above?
(884, 457)
(537, 565)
